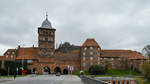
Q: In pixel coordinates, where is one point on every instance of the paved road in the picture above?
(46, 79)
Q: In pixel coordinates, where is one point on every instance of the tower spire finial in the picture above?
(46, 15)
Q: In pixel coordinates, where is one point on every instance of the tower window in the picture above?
(46, 39)
(91, 53)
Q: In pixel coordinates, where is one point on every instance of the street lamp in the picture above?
(23, 58)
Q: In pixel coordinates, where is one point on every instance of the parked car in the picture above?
(57, 74)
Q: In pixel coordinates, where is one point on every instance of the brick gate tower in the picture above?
(46, 39)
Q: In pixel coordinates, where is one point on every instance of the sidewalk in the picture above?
(72, 79)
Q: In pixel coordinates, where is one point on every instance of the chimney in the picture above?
(18, 46)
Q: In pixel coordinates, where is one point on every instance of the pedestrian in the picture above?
(14, 75)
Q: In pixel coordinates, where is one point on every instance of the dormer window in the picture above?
(98, 48)
(6, 56)
(8, 52)
(13, 52)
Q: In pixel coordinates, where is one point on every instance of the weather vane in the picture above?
(46, 15)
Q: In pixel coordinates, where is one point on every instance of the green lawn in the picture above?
(116, 72)
(113, 72)
(142, 80)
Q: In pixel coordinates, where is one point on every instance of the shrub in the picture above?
(3, 72)
(97, 70)
(145, 68)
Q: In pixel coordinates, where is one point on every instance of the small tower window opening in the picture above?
(46, 39)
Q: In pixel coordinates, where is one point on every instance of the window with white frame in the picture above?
(11, 56)
(13, 52)
(98, 63)
(91, 53)
(84, 64)
(98, 53)
(84, 58)
(118, 58)
(91, 58)
(8, 52)
(98, 48)
(91, 48)
(99, 58)
(85, 49)
(84, 53)
(6, 56)
(112, 58)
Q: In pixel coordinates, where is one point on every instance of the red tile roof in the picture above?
(90, 42)
(27, 53)
(122, 53)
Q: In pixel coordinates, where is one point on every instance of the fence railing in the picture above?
(90, 80)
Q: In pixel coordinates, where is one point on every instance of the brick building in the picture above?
(45, 59)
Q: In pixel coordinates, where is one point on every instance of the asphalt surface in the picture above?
(45, 79)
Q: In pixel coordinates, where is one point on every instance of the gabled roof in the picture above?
(10, 50)
(90, 42)
(27, 53)
(122, 53)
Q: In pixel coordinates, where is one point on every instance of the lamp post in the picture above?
(23, 58)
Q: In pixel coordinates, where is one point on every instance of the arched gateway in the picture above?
(46, 70)
(57, 69)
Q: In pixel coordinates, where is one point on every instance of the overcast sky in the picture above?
(115, 24)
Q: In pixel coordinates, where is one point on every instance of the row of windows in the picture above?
(47, 39)
(111, 58)
(10, 56)
(91, 53)
(91, 58)
(91, 48)
(10, 52)
(46, 33)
